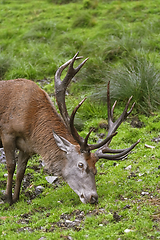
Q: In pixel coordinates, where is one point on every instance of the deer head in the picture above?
(80, 170)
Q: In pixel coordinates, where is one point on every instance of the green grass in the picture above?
(36, 37)
(138, 78)
(119, 191)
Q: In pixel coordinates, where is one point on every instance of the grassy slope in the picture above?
(35, 38)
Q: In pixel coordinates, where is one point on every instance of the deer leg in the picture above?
(21, 167)
(8, 142)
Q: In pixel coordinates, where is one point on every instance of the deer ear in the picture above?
(62, 143)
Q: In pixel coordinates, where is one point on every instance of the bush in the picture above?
(138, 78)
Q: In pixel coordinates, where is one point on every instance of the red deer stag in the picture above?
(30, 123)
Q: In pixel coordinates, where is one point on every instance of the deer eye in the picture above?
(80, 165)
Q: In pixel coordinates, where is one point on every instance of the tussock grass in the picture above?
(138, 78)
(85, 20)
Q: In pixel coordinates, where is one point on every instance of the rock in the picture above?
(129, 167)
(144, 193)
(51, 179)
(128, 230)
(38, 190)
(40, 187)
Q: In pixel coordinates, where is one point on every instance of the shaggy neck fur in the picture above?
(45, 121)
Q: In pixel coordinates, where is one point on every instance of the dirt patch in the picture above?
(73, 220)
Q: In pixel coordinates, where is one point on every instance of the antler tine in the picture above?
(121, 153)
(87, 137)
(113, 107)
(61, 86)
(114, 125)
(74, 132)
(72, 71)
(61, 68)
(118, 156)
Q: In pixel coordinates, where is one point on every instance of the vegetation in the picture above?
(138, 77)
(121, 39)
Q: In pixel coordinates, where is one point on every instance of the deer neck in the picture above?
(44, 143)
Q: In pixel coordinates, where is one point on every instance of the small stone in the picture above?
(144, 193)
(140, 174)
(139, 180)
(129, 167)
(51, 179)
(128, 230)
(68, 221)
(40, 188)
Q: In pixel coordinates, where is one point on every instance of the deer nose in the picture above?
(94, 199)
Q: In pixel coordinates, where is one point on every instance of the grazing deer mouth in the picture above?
(92, 199)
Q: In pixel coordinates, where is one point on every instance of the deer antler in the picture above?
(60, 89)
(112, 127)
(61, 86)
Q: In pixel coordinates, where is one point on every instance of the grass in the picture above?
(133, 194)
(138, 78)
(36, 37)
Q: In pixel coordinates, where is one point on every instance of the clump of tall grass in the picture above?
(85, 20)
(90, 4)
(138, 77)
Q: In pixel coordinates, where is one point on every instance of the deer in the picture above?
(30, 123)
